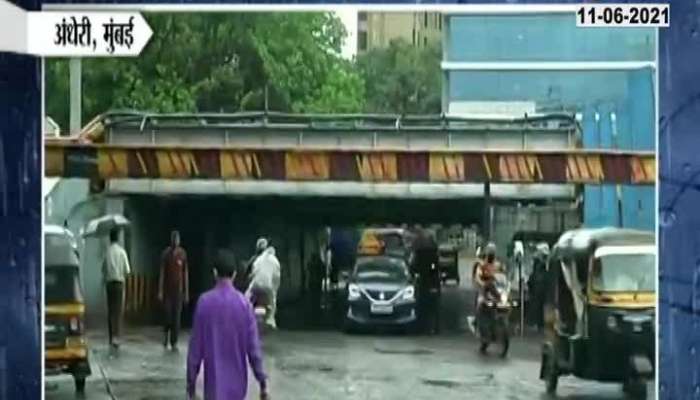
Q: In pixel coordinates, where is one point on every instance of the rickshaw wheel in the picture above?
(635, 388)
(505, 339)
(551, 375)
(506, 345)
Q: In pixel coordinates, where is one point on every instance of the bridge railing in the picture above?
(130, 120)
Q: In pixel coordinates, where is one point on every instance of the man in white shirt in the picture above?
(115, 268)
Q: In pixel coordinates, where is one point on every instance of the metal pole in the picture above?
(75, 67)
(620, 208)
(522, 296)
(487, 213)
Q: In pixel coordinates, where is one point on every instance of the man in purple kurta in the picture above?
(225, 339)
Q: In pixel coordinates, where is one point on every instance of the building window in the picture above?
(425, 20)
(414, 36)
(362, 40)
(362, 16)
(425, 41)
(440, 22)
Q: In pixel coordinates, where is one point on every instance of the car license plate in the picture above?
(381, 309)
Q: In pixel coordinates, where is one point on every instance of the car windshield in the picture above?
(624, 272)
(62, 285)
(384, 269)
(393, 244)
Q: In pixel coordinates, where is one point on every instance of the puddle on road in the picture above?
(479, 380)
(303, 367)
(442, 383)
(411, 352)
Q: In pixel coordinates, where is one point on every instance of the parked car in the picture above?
(380, 292)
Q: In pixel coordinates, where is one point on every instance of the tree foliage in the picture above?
(220, 63)
(227, 62)
(402, 78)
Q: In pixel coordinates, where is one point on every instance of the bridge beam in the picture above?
(109, 161)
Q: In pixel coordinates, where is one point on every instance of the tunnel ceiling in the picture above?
(324, 210)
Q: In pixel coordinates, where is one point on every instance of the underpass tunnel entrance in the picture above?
(292, 225)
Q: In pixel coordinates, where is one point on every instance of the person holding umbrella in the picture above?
(115, 269)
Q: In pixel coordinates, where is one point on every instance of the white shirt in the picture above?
(266, 271)
(116, 264)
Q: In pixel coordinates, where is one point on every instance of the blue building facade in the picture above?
(604, 75)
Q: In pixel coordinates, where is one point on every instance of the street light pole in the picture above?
(75, 66)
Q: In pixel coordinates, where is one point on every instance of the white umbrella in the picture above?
(103, 225)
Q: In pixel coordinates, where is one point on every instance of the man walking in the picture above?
(115, 268)
(429, 281)
(224, 339)
(173, 288)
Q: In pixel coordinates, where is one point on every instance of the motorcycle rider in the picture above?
(485, 279)
(480, 258)
(265, 280)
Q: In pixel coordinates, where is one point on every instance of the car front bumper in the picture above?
(359, 313)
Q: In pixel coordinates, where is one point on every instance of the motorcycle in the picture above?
(493, 324)
(260, 302)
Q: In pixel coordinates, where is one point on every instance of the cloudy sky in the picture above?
(349, 18)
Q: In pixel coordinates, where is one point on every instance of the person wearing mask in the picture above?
(115, 269)
(224, 340)
(317, 270)
(265, 279)
(173, 288)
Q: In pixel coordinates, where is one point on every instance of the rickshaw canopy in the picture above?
(60, 248)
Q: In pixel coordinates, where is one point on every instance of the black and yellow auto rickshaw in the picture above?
(65, 342)
(601, 309)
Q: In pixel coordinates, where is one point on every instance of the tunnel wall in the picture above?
(206, 226)
(508, 219)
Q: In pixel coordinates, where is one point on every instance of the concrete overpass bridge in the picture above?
(372, 156)
(225, 179)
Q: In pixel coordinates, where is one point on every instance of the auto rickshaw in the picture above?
(601, 309)
(64, 329)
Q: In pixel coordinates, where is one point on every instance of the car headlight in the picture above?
(353, 292)
(409, 293)
(612, 322)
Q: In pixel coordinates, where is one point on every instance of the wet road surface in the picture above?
(331, 365)
(326, 364)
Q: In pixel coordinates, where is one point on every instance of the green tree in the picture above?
(220, 63)
(402, 78)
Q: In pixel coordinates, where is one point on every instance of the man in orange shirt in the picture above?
(173, 288)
